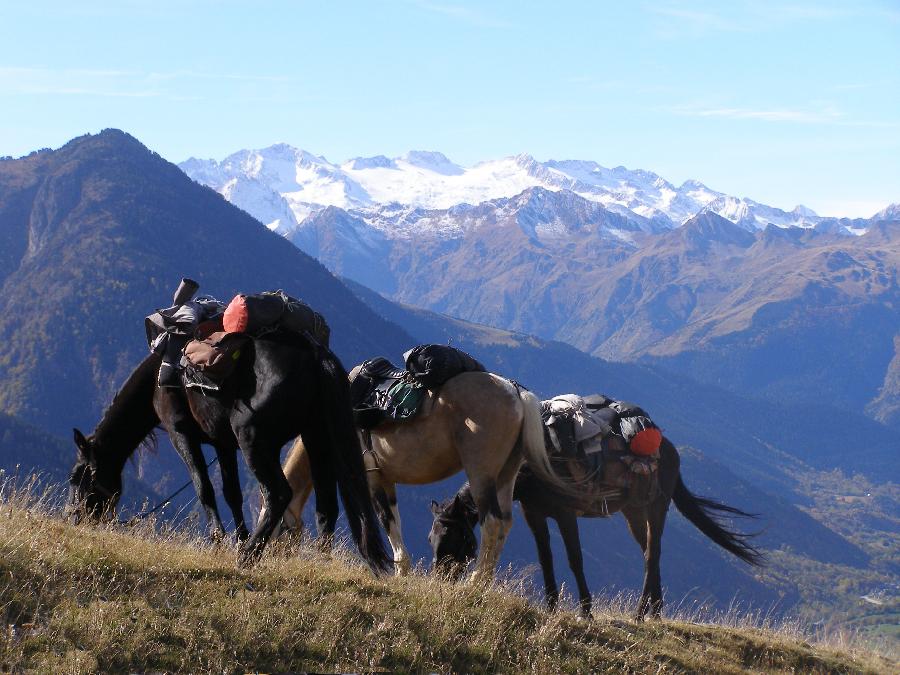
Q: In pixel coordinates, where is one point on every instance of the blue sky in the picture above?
(782, 102)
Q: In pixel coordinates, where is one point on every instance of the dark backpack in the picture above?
(433, 365)
(255, 314)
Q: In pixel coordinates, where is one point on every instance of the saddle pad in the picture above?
(380, 391)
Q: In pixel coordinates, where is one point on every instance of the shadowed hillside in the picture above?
(95, 236)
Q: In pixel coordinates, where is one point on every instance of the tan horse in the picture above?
(477, 422)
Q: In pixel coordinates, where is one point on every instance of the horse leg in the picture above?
(538, 524)
(638, 520)
(324, 482)
(174, 414)
(189, 449)
(263, 460)
(568, 528)
(293, 514)
(384, 495)
(231, 488)
(494, 501)
(299, 476)
(656, 521)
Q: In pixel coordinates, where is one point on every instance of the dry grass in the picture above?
(110, 598)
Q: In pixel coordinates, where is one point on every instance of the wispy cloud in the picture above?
(674, 20)
(704, 21)
(766, 114)
(110, 83)
(80, 91)
(200, 75)
(470, 15)
(826, 115)
(820, 12)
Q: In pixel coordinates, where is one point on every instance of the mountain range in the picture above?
(620, 264)
(282, 185)
(97, 233)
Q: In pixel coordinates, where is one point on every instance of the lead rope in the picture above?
(168, 499)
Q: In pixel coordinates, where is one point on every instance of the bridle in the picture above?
(95, 484)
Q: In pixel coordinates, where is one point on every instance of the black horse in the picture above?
(283, 386)
(453, 540)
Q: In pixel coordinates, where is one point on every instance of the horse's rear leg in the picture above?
(384, 496)
(262, 458)
(568, 528)
(299, 476)
(538, 524)
(646, 525)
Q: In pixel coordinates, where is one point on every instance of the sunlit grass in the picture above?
(151, 597)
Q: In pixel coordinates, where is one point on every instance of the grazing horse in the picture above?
(453, 540)
(283, 385)
(477, 422)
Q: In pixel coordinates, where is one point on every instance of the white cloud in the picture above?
(105, 83)
(469, 15)
(824, 116)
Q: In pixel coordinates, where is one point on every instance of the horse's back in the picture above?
(475, 391)
(472, 413)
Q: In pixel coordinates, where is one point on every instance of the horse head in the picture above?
(452, 536)
(94, 489)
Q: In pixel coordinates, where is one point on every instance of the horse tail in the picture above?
(701, 512)
(531, 440)
(347, 461)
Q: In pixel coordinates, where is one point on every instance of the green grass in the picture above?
(108, 598)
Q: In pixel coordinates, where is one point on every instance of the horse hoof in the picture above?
(248, 556)
(402, 567)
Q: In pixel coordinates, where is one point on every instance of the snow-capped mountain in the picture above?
(281, 186)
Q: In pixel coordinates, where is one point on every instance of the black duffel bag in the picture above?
(432, 365)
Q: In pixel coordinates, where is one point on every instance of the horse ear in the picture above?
(84, 448)
(435, 508)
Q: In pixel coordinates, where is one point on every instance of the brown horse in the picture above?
(476, 422)
(644, 507)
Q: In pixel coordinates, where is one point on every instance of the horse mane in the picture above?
(126, 420)
(460, 506)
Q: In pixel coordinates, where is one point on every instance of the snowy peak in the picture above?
(376, 162)
(891, 212)
(804, 212)
(432, 161)
(281, 185)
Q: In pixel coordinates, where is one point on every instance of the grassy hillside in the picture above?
(85, 599)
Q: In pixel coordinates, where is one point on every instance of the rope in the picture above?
(172, 496)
